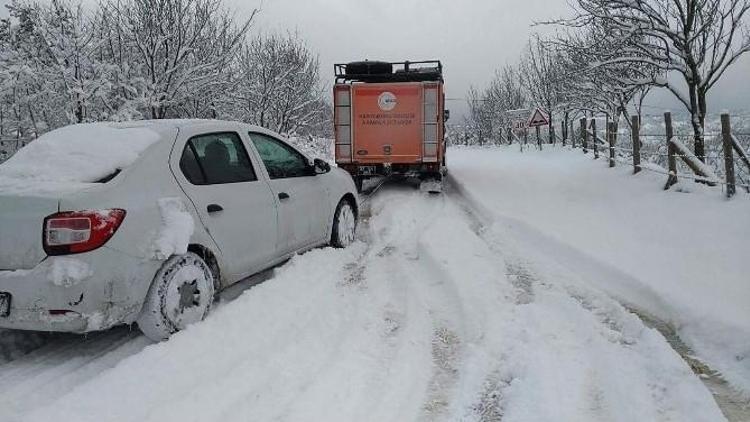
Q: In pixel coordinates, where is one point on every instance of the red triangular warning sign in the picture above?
(538, 118)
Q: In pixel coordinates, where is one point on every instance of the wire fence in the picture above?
(655, 154)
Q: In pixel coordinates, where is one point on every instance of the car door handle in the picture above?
(212, 208)
(283, 195)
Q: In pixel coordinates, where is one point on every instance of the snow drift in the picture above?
(73, 157)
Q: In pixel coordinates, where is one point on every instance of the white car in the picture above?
(115, 223)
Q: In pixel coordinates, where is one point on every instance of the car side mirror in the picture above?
(447, 114)
(321, 167)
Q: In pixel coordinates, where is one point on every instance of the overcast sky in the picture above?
(471, 37)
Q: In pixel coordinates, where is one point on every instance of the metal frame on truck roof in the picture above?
(377, 71)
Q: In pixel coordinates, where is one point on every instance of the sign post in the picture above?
(537, 120)
(519, 124)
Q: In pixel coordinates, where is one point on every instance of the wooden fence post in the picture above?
(552, 135)
(612, 133)
(726, 134)
(584, 135)
(671, 150)
(572, 133)
(510, 136)
(539, 138)
(636, 136)
(526, 136)
(596, 147)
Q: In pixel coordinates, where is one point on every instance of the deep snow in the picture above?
(73, 157)
(679, 256)
(176, 228)
(432, 316)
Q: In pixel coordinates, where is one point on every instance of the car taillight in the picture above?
(74, 232)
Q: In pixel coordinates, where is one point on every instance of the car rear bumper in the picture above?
(76, 293)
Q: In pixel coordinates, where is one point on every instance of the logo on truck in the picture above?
(387, 101)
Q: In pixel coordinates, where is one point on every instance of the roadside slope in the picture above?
(679, 256)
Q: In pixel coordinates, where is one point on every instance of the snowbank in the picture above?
(67, 272)
(681, 257)
(73, 157)
(177, 226)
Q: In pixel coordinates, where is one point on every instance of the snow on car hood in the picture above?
(73, 158)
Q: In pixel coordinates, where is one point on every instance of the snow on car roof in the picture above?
(73, 157)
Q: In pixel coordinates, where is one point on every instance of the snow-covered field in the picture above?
(494, 301)
(679, 256)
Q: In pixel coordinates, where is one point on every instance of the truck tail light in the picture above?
(73, 232)
(430, 132)
(343, 122)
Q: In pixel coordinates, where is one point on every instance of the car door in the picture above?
(302, 197)
(235, 205)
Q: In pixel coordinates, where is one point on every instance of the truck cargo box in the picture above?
(390, 119)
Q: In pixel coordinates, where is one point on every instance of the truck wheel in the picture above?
(368, 68)
(344, 225)
(181, 294)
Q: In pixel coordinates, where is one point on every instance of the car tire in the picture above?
(181, 294)
(344, 225)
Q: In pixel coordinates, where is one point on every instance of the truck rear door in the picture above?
(387, 122)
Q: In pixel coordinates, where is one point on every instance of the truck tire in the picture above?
(181, 294)
(369, 68)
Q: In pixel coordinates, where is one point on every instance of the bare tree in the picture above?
(505, 92)
(179, 46)
(66, 35)
(61, 63)
(280, 86)
(589, 84)
(541, 78)
(696, 39)
(478, 123)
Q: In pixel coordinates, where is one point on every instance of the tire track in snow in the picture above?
(733, 406)
(65, 361)
(614, 324)
(404, 253)
(430, 322)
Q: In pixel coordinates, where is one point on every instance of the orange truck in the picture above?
(390, 120)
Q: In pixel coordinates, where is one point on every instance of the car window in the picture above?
(281, 160)
(216, 158)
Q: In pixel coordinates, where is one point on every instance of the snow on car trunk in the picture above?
(73, 157)
(59, 163)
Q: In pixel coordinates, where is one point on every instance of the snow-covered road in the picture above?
(430, 317)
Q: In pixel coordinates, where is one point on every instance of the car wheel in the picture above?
(344, 225)
(181, 294)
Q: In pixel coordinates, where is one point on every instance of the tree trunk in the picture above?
(79, 109)
(551, 125)
(696, 121)
(702, 109)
